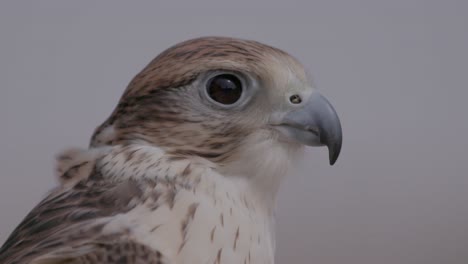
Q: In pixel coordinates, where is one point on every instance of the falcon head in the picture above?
(240, 104)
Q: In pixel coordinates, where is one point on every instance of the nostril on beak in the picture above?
(295, 99)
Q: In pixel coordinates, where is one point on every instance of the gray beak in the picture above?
(314, 123)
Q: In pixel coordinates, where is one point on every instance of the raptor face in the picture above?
(198, 145)
(222, 99)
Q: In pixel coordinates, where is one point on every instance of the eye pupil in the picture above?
(225, 89)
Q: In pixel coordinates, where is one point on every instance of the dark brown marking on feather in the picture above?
(246, 203)
(181, 246)
(212, 234)
(154, 202)
(218, 256)
(187, 170)
(175, 158)
(188, 218)
(73, 170)
(129, 154)
(203, 154)
(192, 210)
(122, 251)
(155, 228)
(170, 197)
(183, 228)
(150, 183)
(236, 238)
(221, 218)
(216, 145)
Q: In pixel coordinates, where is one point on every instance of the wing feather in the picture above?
(65, 227)
(124, 251)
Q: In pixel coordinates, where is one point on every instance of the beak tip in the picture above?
(333, 160)
(334, 152)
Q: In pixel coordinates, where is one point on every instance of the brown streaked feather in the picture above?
(103, 252)
(71, 217)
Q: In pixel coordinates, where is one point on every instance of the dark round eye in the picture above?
(225, 88)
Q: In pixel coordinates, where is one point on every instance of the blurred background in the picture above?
(396, 72)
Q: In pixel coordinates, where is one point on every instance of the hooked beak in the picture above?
(315, 123)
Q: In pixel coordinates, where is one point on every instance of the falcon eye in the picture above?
(225, 88)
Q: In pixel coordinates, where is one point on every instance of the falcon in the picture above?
(187, 167)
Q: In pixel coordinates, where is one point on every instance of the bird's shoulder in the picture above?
(73, 217)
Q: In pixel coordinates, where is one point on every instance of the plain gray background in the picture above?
(396, 71)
